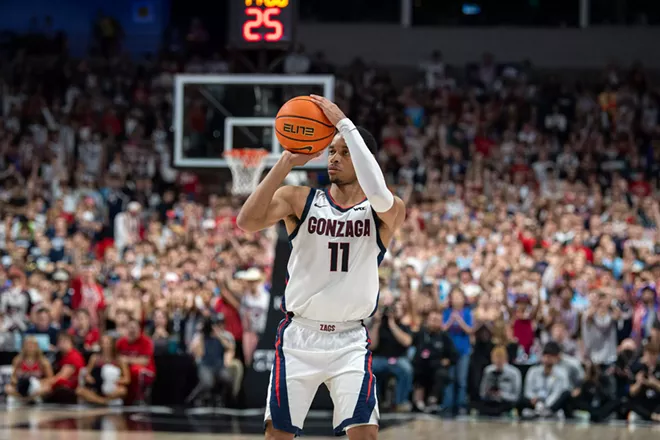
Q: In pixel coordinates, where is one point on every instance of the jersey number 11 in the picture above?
(335, 250)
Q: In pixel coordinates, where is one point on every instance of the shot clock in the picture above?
(262, 23)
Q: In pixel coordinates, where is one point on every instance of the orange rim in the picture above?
(251, 157)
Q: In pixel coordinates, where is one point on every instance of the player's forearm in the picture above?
(255, 208)
(367, 170)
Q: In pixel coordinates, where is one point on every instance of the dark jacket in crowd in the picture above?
(595, 392)
(388, 346)
(574, 370)
(433, 347)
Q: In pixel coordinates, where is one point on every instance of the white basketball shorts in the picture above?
(309, 353)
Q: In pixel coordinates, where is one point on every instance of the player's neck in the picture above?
(347, 195)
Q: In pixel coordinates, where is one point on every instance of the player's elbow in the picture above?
(381, 202)
(246, 224)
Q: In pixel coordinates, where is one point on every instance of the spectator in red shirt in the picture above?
(228, 305)
(85, 336)
(111, 123)
(88, 294)
(137, 350)
(29, 365)
(69, 365)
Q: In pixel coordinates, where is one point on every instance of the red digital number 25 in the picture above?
(262, 17)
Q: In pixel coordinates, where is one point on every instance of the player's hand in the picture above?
(298, 160)
(332, 112)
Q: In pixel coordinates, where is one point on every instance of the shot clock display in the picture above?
(262, 23)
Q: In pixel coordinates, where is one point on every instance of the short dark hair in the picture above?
(552, 349)
(62, 335)
(369, 139)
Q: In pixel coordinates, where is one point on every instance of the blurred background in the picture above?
(524, 140)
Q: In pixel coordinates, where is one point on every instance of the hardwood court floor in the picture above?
(112, 424)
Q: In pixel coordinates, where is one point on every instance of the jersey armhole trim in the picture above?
(379, 241)
(303, 217)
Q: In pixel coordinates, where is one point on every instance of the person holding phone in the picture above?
(390, 340)
(500, 386)
(645, 388)
(599, 331)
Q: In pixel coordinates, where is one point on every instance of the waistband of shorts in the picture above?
(326, 326)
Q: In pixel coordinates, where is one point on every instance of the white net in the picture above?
(246, 168)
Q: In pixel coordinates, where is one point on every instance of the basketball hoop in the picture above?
(246, 165)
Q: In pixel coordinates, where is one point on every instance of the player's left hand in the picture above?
(330, 109)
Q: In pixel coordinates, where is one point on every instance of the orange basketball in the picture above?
(301, 126)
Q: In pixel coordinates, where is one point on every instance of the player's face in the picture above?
(340, 166)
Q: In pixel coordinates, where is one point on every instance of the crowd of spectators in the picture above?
(106, 250)
(531, 241)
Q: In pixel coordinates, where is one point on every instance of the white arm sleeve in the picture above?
(367, 170)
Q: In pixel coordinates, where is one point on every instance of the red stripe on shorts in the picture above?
(278, 344)
(371, 377)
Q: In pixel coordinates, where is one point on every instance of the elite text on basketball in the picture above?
(299, 129)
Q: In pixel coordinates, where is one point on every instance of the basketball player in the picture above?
(338, 238)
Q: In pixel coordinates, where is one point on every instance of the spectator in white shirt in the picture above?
(434, 70)
(254, 310)
(556, 121)
(127, 226)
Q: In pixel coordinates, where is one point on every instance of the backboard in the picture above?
(217, 113)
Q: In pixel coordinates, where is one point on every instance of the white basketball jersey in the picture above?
(333, 267)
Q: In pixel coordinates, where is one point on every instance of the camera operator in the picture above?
(390, 340)
(596, 395)
(622, 368)
(435, 354)
(500, 386)
(213, 348)
(547, 387)
(645, 389)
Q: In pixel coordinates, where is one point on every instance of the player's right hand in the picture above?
(298, 160)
